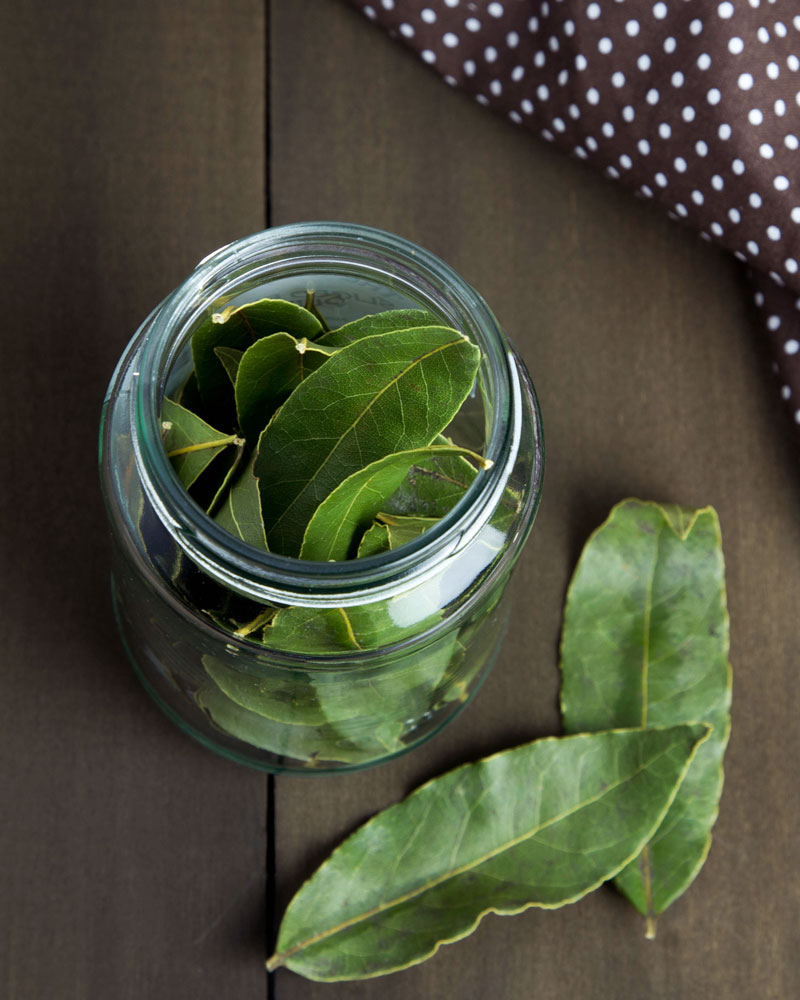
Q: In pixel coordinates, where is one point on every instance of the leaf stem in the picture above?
(262, 618)
(480, 461)
(219, 443)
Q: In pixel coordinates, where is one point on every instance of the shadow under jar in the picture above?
(425, 620)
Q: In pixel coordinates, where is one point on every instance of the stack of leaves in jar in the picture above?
(324, 445)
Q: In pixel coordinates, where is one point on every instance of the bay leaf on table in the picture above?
(268, 372)
(240, 513)
(539, 825)
(368, 400)
(238, 327)
(645, 643)
(383, 322)
(346, 513)
(188, 431)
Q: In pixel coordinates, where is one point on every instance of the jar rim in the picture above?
(329, 246)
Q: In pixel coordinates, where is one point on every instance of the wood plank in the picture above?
(132, 860)
(644, 349)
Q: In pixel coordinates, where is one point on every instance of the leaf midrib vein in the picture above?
(418, 360)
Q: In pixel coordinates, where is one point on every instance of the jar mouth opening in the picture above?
(314, 248)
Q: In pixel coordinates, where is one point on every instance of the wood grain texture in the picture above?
(644, 350)
(132, 860)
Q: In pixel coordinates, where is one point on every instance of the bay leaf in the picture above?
(341, 630)
(383, 322)
(268, 372)
(316, 745)
(401, 530)
(392, 697)
(359, 703)
(645, 642)
(432, 487)
(539, 825)
(344, 515)
(240, 513)
(312, 630)
(191, 444)
(390, 531)
(230, 359)
(279, 694)
(374, 540)
(238, 327)
(369, 399)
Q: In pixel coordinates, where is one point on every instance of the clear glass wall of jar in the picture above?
(423, 622)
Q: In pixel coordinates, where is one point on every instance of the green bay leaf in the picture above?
(360, 703)
(240, 513)
(238, 327)
(279, 694)
(229, 477)
(390, 531)
(191, 444)
(230, 359)
(645, 642)
(394, 693)
(340, 630)
(387, 393)
(539, 825)
(369, 326)
(267, 373)
(401, 530)
(345, 514)
(432, 487)
(374, 540)
(314, 745)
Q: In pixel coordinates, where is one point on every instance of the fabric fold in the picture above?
(694, 105)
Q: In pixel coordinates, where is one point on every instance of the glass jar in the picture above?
(390, 647)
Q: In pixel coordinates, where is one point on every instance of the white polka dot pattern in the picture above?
(696, 106)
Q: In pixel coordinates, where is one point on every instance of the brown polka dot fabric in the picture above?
(692, 103)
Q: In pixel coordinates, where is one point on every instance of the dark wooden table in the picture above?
(137, 138)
